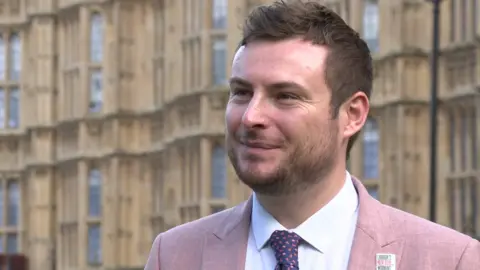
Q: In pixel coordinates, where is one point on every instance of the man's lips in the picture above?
(258, 145)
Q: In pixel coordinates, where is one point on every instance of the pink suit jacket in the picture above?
(219, 241)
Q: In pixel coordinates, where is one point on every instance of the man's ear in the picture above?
(356, 111)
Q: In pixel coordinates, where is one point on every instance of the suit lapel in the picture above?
(375, 233)
(362, 254)
(226, 247)
(365, 249)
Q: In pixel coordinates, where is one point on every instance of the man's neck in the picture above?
(293, 209)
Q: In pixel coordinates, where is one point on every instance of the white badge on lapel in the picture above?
(385, 261)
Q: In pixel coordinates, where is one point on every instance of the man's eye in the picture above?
(286, 96)
(240, 93)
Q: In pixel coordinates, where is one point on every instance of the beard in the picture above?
(307, 163)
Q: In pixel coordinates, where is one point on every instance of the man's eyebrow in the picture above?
(277, 86)
(239, 81)
(290, 86)
(286, 85)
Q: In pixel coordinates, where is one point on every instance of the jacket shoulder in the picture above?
(198, 227)
(182, 246)
(414, 226)
(433, 244)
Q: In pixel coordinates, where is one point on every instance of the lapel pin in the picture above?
(385, 261)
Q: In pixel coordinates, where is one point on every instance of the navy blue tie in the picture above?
(285, 245)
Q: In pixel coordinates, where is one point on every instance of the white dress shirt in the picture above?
(328, 233)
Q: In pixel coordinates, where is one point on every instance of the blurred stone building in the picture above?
(112, 120)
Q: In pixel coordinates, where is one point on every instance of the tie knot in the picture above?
(285, 245)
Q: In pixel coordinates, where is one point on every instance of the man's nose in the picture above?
(255, 114)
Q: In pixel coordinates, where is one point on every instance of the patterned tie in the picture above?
(285, 245)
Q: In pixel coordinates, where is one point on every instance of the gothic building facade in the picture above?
(112, 120)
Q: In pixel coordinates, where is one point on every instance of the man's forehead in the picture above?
(293, 50)
(289, 60)
(238, 53)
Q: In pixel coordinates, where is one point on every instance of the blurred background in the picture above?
(112, 120)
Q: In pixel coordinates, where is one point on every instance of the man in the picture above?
(299, 95)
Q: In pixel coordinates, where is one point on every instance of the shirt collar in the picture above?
(318, 230)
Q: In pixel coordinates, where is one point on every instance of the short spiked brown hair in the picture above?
(349, 63)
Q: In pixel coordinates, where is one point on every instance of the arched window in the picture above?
(2, 200)
(219, 173)
(14, 108)
(474, 120)
(451, 140)
(370, 24)
(3, 107)
(219, 14)
(464, 136)
(370, 149)
(94, 246)
(219, 61)
(96, 37)
(13, 191)
(474, 14)
(96, 57)
(94, 193)
(94, 243)
(96, 91)
(3, 62)
(15, 57)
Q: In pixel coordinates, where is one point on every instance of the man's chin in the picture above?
(257, 179)
(258, 174)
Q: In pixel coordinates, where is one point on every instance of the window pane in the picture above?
(452, 141)
(216, 209)
(347, 11)
(219, 61)
(16, 57)
(14, 108)
(463, 16)
(219, 14)
(219, 173)
(373, 191)
(12, 243)
(463, 205)
(96, 91)
(94, 193)
(96, 38)
(3, 108)
(2, 200)
(159, 29)
(370, 24)
(453, 200)
(453, 20)
(187, 22)
(94, 251)
(463, 140)
(3, 62)
(474, 17)
(13, 193)
(474, 201)
(475, 149)
(370, 149)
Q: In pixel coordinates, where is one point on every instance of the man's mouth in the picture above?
(258, 145)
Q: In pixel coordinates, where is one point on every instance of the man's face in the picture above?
(281, 137)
